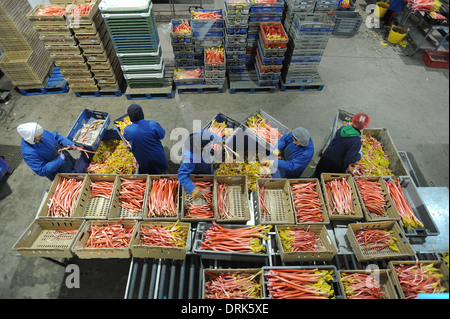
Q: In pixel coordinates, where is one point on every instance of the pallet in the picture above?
(165, 92)
(98, 93)
(301, 87)
(249, 87)
(202, 88)
(55, 84)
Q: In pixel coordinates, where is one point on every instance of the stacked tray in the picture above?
(135, 39)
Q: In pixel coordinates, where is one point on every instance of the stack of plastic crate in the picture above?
(206, 32)
(56, 31)
(134, 36)
(95, 43)
(293, 6)
(182, 43)
(326, 5)
(25, 60)
(272, 46)
(215, 72)
(309, 36)
(236, 42)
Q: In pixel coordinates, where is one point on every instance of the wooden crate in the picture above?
(238, 199)
(326, 253)
(278, 202)
(118, 211)
(357, 213)
(383, 276)
(46, 238)
(152, 178)
(81, 201)
(139, 250)
(404, 247)
(184, 196)
(391, 210)
(79, 249)
(97, 207)
(326, 219)
(443, 269)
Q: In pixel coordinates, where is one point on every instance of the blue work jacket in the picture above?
(342, 151)
(295, 158)
(195, 164)
(145, 140)
(43, 157)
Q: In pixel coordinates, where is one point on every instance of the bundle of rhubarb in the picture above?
(273, 31)
(232, 285)
(163, 198)
(307, 205)
(221, 129)
(374, 161)
(51, 10)
(345, 3)
(409, 219)
(424, 5)
(112, 157)
(131, 195)
(339, 197)
(182, 74)
(163, 236)
(253, 171)
(184, 28)
(299, 284)
(121, 124)
(262, 128)
(78, 10)
(101, 189)
(62, 203)
(375, 239)
(214, 55)
(223, 201)
(88, 133)
(109, 236)
(215, 14)
(262, 197)
(236, 240)
(202, 207)
(299, 240)
(359, 285)
(419, 278)
(372, 196)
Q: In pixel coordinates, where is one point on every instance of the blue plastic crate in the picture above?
(265, 9)
(205, 33)
(55, 84)
(211, 23)
(270, 60)
(183, 55)
(236, 30)
(265, 18)
(86, 117)
(279, 3)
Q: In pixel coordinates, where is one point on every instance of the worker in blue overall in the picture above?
(145, 141)
(40, 150)
(296, 150)
(345, 147)
(394, 7)
(197, 158)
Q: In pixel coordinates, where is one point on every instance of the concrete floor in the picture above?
(360, 74)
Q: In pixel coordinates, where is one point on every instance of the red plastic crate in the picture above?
(273, 43)
(436, 59)
(268, 68)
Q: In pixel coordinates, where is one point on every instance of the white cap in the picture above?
(29, 131)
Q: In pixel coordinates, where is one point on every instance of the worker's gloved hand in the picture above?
(62, 156)
(276, 152)
(361, 154)
(196, 193)
(73, 147)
